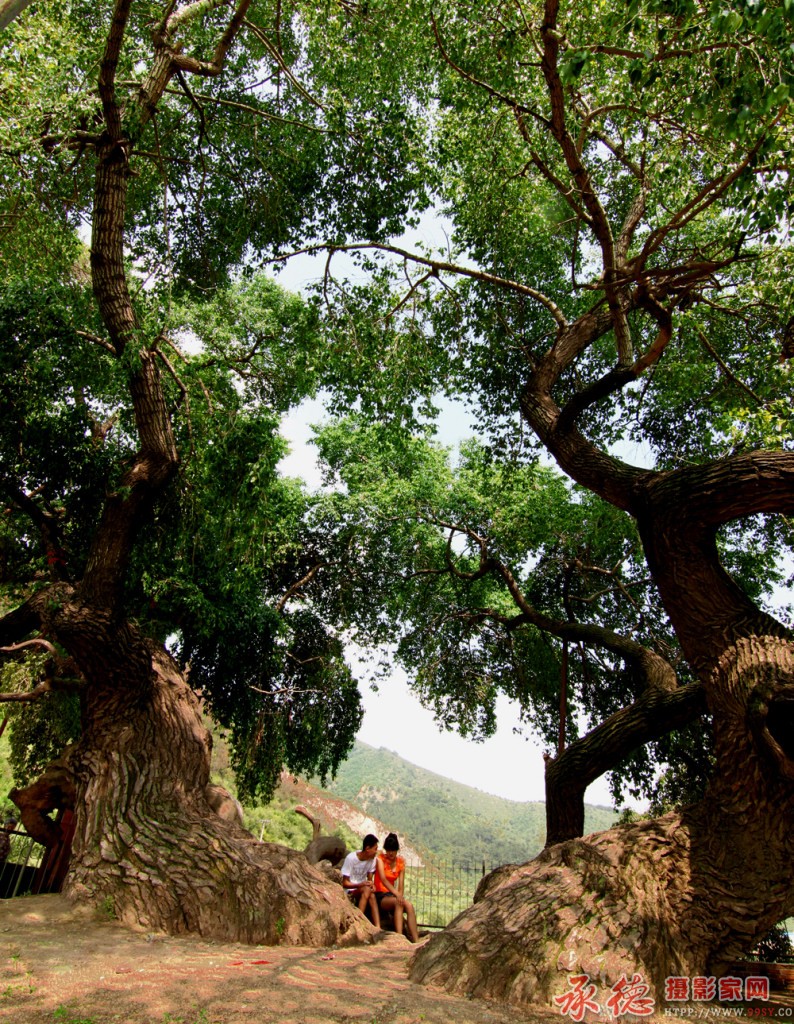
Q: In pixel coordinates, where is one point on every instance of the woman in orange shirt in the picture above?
(389, 886)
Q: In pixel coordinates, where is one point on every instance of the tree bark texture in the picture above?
(681, 895)
(146, 838)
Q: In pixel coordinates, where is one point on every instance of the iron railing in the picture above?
(22, 871)
(441, 890)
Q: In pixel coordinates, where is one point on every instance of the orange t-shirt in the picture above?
(392, 873)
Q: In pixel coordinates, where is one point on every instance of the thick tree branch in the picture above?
(653, 715)
(10, 9)
(20, 622)
(107, 71)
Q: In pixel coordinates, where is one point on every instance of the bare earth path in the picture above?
(64, 965)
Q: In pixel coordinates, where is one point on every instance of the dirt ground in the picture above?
(65, 965)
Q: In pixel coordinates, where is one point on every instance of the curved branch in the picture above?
(678, 514)
(274, 53)
(11, 9)
(54, 790)
(29, 697)
(96, 340)
(657, 671)
(600, 222)
(437, 267)
(37, 641)
(650, 717)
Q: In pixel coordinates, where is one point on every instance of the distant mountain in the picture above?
(442, 817)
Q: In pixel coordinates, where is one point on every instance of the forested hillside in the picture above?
(449, 819)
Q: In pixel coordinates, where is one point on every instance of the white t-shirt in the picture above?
(357, 870)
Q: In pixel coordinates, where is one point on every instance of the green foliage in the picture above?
(35, 733)
(423, 541)
(346, 122)
(6, 779)
(225, 542)
(775, 947)
(660, 103)
(63, 1015)
(231, 541)
(54, 395)
(40, 733)
(289, 142)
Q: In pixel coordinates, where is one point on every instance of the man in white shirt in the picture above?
(358, 872)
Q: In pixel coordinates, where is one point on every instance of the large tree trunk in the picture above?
(681, 895)
(146, 840)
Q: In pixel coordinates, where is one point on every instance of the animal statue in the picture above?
(322, 848)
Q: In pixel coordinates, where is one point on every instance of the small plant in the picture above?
(280, 926)
(64, 1016)
(107, 908)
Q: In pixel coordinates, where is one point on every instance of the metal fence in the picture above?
(441, 890)
(24, 869)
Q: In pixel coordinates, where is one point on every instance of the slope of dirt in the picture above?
(330, 810)
(61, 964)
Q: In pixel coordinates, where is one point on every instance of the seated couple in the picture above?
(378, 880)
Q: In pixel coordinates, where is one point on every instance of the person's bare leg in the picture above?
(373, 906)
(413, 931)
(390, 903)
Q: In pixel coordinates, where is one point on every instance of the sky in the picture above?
(508, 764)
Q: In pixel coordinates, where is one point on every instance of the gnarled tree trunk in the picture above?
(681, 895)
(146, 840)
